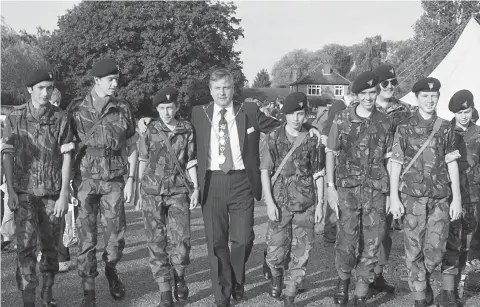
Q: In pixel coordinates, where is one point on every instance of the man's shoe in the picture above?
(341, 293)
(166, 299)
(446, 298)
(88, 299)
(180, 290)
(289, 301)
(360, 301)
(276, 287)
(420, 303)
(380, 285)
(115, 285)
(237, 291)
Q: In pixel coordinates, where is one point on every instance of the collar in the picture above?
(282, 133)
(37, 113)
(160, 125)
(216, 109)
(354, 116)
(418, 120)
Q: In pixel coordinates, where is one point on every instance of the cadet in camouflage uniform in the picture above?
(164, 197)
(360, 138)
(426, 195)
(106, 151)
(291, 210)
(38, 145)
(397, 111)
(467, 141)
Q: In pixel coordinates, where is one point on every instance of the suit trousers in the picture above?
(228, 215)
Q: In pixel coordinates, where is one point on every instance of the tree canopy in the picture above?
(262, 79)
(156, 43)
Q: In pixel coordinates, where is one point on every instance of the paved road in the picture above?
(143, 292)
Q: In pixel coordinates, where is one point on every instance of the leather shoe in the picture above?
(180, 290)
(360, 301)
(115, 285)
(237, 291)
(166, 299)
(341, 293)
(380, 285)
(276, 287)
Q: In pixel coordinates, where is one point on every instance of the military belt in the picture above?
(103, 152)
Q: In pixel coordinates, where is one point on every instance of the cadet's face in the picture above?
(367, 98)
(222, 91)
(387, 88)
(464, 117)
(107, 85)
(427, 101)
(167, 112)
(296, 119)
(41, 92)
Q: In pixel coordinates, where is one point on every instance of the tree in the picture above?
(156, 44)
(262, 79)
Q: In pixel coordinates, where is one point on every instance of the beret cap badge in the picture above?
(430, 85)
(370, 82)
(168, 97)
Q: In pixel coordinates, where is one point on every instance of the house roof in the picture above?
(317, 76)
(265, 93)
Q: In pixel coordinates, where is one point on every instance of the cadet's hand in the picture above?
(128, 190)
(324, 140)
(139, 203)
(333, 200)
(61, 206)
(194, 199)
(396, 208)
(319, 214)
(314, 132)
(12, 200)
(272, 211)
(455, 210)
(143, 124)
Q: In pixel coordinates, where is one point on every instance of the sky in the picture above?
(271, 28)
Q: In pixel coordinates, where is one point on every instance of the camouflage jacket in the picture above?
(295, 188)
(115, 133)
(37, 142)
(468, 144)
(396, 110)
(428, 176)
(161, 177)
(362, 145)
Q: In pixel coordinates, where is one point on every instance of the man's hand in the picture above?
(455, 209)
(12, 200)
(333, 200)
(61, 206)
(194, 199)
(314, 132)
(128, 190)
(143, 124)
(272, 211)
(396, 208)
(319, 213)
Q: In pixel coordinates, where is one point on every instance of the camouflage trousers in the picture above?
(293, 234)
(426, 230)
(361, 224)
(107, 196)
(34, 219)
(474, 252)
(459, 240)
(159, 214)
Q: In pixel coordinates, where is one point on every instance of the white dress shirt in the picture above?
(233, 139)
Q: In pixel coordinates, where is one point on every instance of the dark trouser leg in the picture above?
(474, 248)
(215, 216)
(451, 258)
(63, 252)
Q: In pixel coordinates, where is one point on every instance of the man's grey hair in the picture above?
(220, 74)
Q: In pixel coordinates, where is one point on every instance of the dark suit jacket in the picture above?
(249, 116)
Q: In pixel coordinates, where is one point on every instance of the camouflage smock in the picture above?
(396, 110)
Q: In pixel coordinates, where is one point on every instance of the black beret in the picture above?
(294, 102)
(363, 81)
(461, 100)
(384, 72)
(38, 76)
(105, 67)
(427, 85)
(165, 95)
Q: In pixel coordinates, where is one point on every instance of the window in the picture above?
(314, 90)
(339, 90)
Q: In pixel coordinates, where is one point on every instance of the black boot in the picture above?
(166, 299)
(46, 293)
(88, 299)
(429, 290)
(267, 273)
(180, 290)
(276, 286)
(341, 293)
(360, 301)
(447, 298)
(380, 285)
(115, 285)
(289, 301)
(28, 297)
(420, 303)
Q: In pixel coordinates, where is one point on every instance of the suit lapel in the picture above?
(206, 120)
(241, 122)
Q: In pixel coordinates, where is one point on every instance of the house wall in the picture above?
(327, 90)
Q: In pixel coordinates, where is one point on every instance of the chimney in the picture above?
(327, 69)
